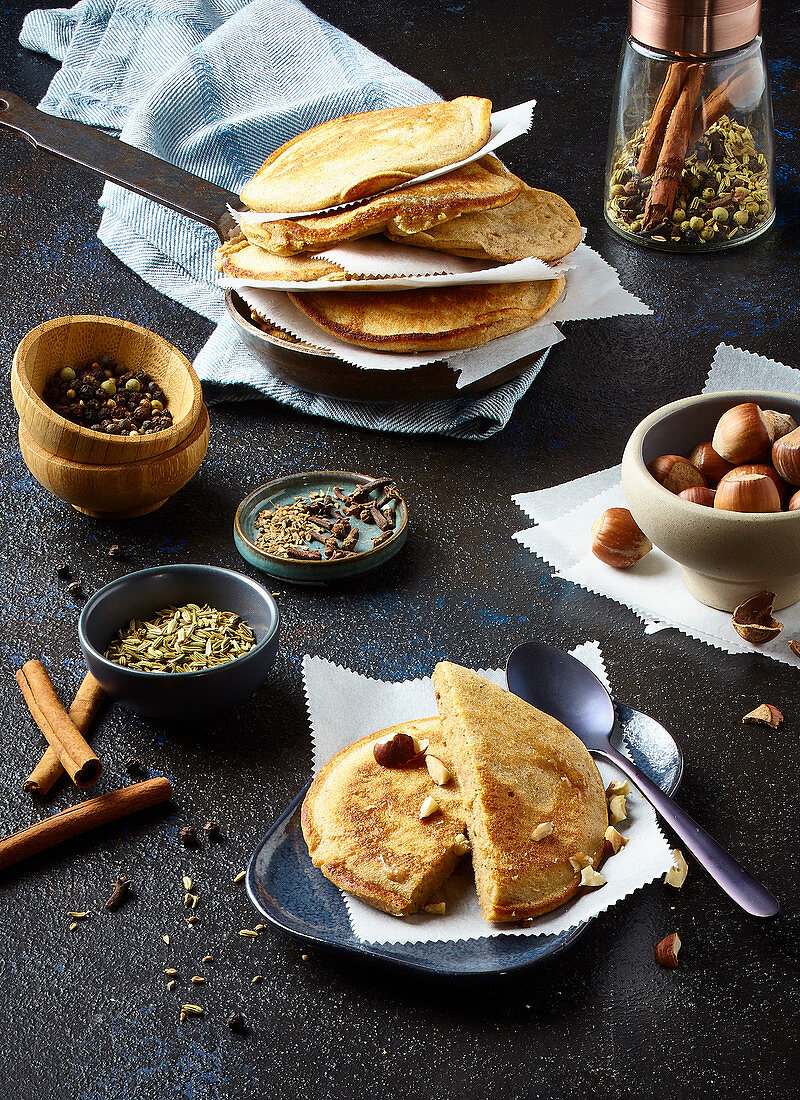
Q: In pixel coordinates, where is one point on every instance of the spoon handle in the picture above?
(737, 883)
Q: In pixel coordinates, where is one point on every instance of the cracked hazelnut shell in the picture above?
(753, 621)
(786, 456)
(675, 473)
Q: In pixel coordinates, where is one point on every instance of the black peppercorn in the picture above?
(188, 836)
(134, 766)
(236, 1022)
(211, 829)
(63, 571)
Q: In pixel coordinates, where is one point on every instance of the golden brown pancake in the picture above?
(363, 830)
(519, 768)
(436, 319)
(475, 186)
(239, 260)
(360, 155)
(537, 223)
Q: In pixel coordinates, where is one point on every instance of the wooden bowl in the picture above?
(78, 341)
(120, 490)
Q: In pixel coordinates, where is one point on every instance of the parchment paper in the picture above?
(343, 706)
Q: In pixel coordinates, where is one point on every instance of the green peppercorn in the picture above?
(741, 217)
(697, 224)
(66, 374)
(752, 207)
(156, 406)
(133, 384)
(707, 234)
(709, 194)
(684, 226)
(109, 387)
(719, 214)
(617, 190)
(764, 208)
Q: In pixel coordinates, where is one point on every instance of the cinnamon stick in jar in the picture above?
(74, 753)
(83, 817)
(737, 89)
(87, 702)
(667, 98)
(672, 158)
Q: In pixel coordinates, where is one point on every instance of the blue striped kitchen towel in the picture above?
(214, 86)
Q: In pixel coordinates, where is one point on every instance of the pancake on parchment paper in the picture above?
(239, 260)
(436, 319)
(477, 186)
(363, 830)
(360, 155)
(519, 768)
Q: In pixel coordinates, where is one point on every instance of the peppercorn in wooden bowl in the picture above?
(75, 344)
(727, 555)
(152, 426)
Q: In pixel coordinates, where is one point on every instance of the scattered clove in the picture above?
(75, 589)
(211, 829)
(134, 766)
(63, 571)
(120, 891)
(188, 836)
(235, 1022)
(115, 552)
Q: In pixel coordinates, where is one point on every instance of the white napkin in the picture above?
(505, 126)
(344, 705)
(654, 587)
(593, 290)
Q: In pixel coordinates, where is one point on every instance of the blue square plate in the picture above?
(292, 894)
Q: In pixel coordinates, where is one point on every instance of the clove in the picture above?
(379, 518)
(374, 486)
(120, 891)
(303, 555)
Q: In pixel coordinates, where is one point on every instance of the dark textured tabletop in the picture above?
(85, 1013)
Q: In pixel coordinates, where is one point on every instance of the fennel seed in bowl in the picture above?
(181, 639)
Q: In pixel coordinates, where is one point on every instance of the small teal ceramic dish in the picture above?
(178, 696)
(284, 490)
(293, 895)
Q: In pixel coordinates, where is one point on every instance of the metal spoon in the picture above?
(560, 685)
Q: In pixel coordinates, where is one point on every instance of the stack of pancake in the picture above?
(519, 789)
(480, 210)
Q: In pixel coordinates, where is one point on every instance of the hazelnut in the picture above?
(675, 473)
(613, 841)
(764, 470)
(590, 877)
(711, 465)
(580, 860)
(795, 647)
(747, 492)
(698, 494)
(396, 751)
(778, 424)
(765, 714)
(676, 875)
(617, 540)
(667, 950)
(786, 457)
(437, 771)
(753, 621)
(429, 807)
(617, 809)
(542, 830)
(794, 502)
(742, 434)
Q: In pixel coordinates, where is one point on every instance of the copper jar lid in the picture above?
(697, 27)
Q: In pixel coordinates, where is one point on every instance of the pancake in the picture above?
(519, 768)
(239, 260)
(473, 187)
(360, 155)
(437, 319)
(363, 830)
(537, 223)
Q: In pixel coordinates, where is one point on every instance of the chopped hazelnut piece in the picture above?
(667, 950)
(618, 786)
(429, 807)
(764, 715)
(613, 841)
(617, 809)
(590, 877)
(542, 830)
(676, 875)
(580, 860)
(462, 844)
(437, 771)
(438, 908)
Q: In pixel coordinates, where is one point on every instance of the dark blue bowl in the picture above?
(175, 696)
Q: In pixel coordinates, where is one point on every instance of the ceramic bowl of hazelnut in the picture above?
(714, 482)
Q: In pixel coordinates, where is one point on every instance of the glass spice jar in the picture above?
(690, 163)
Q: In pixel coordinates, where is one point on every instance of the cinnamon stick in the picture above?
(736, 89)
(667, 98)
(83, 817)
(88, 700)
(672, 158)
(74, 753)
